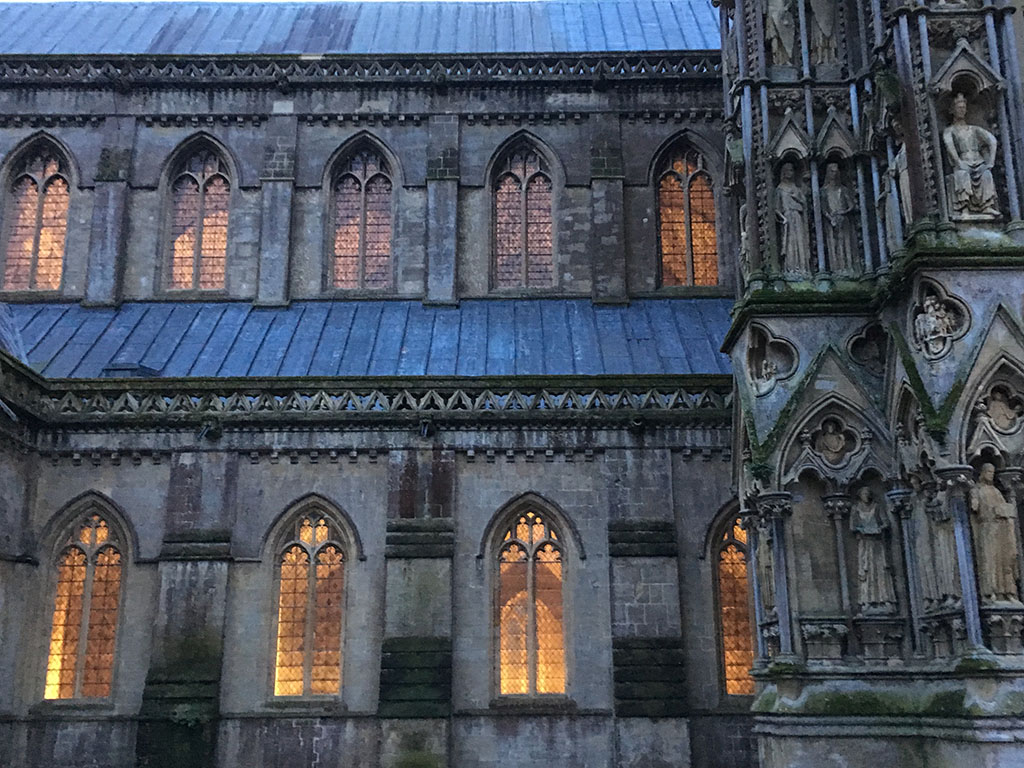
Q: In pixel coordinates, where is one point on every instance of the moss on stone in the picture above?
(418, 759)
(946, 704)
(975, 664)
(766, 701)
(784, 669)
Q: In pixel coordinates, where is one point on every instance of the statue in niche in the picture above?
(971, 152)
(832, 442)
(791, 211)
(765, 569)
(994, 525)
(744, 241)
(824, 41)
(940, 574)
(1003, 411)
(876, 593)
(837, 207)
(934, 327)
(780, 32)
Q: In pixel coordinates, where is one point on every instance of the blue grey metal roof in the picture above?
(483, 337)
(369, 28)
(10, 337)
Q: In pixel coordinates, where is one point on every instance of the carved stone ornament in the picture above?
(824, 31)
(838, 206)
(971, 156)
(781, 32)
(994, 528)
(834, 441)
(869, 348)
(769, 360)
(792, 216)
(997, 423)
(824, 639)
(876, 591)
(938, 320)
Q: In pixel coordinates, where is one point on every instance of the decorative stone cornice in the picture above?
(124, 74)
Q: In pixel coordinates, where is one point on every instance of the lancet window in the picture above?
(734, 611)
(311, 591)
(523, 230)
(200, 201)
(687, 237)
(362, 223)
(36, 223)
(83, 632)
(529, 609)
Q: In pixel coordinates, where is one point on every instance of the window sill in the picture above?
(551, 704)
(89, 707)
(307, 705)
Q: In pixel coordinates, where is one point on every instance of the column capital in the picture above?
(837, 505)
(775, 505)
(956, 478)
(900, 501)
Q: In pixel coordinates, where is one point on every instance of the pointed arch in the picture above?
(60, 522)
(198, 182)
(687, 221)
(521, 177)
(38, 182)
(992, 412)
(311, 503)
(87, 551)
(727, 547)
(525, 502)
(359, 182)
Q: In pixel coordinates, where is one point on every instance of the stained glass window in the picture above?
(37, 224)
(311, 592)
(200, 199)
(686, 222)
(523, 251)
(734, 605)
(362, 223)
(531, 626)
(84, 629)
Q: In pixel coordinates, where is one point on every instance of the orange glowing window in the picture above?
(362, 223)
(734, 604)
(531, 625)
(311, 591)
(200, 199)
(37, 224)
(85, 612)
(686, 222)
(523, 244)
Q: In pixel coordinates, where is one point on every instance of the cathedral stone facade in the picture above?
(607, 384)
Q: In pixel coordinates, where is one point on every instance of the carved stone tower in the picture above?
(877, 155)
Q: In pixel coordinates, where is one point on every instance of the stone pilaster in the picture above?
(107, 230)
(278, 187)
(442, 209)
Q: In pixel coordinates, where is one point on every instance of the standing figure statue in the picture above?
(971, 152)
(791, 212)
(765, 569)
(994, 525)
(780, 32)
(876, 594)
(824, 40)
(837, 207)
(940, 573)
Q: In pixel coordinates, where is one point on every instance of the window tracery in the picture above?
(523, 229)
(200, 201)
(530, 617)
(687, 236)
(361, 244)
(37, 222)
(83, 632)
(734, 611)
(311, 589)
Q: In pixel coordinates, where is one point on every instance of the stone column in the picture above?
(900, 503)
(107, 230)
(442, 209)
(278, 182)
(749, 522)
(957, 480)
(776, 507)
(607, 239)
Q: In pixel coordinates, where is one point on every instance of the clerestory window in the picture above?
(200, 201)
(523, 230)
(529, 608)
(311, 591)
(85, 612)
(36, 223)
(362, 221)
(687, 238)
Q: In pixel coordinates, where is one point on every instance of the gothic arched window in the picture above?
(361, 210)
(85, 612)
(734, 611)
(686, 222)
(529, 612)
(200, 199)
(523, 232)
(311, 591)
(36, 223)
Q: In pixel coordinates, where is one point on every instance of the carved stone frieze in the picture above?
(824, 639)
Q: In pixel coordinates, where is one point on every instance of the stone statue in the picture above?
(824, 42)
(934, 327)
(876, 593)
(791, 211)
(994, 524)
(780, 32)
(837, 207)
(971, 152)
(936, 550)
(1005, 416)
(765, 570)
(832, 443)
